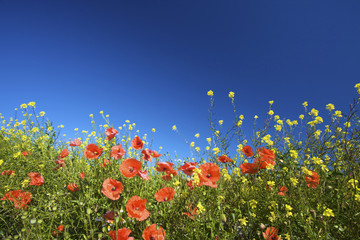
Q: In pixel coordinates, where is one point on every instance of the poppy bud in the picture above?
(313, 213)
(223, 217)
(262, 226)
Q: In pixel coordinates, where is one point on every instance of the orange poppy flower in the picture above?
(92, 151)
(282, 191)
(25, 153)
(165, 194)
(105, 162)
(136, 208)
(73, 187)
(224, 159)
(121, 234)
(210, 174)
(82, 175)
(64, 153)
(271, 234)
(137, 143)
(112, 188)
(20, 198)
(117, 152)
(58, 230)
(249, 168)
(36, 179)
(144, 175)
(247, 151)
(8, 173)
(188, 168)
(312, 180)
(154, 232)
(192, 211)
(110, 133)
(75, 143)
(130, 167)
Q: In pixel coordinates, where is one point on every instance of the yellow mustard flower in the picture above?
(231, 95)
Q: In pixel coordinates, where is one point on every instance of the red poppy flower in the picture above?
(137, 143)
(110, 133)
(121, 234)
(25, 153)
(192, 211)
(169, 175)
(105, 162)
(82, 175)
(112, 188)
(58, 230)
(149, 154)
(136, 208)
(247, 151)
(130, 167)
(92, 151)
(117, 152)
(249, 168)
(210, 174)
(20, 198)
(154, 232)
(312, 180)
(266, 157)
(165, 194)
(36, 179)
(75, 143)
(188, 168)
(64, 153)
(110, 216)
(8, 173)
(144, 175)
(224, 159)
(164, 166)
(282, 191)
(60, 163)
(271, 234)
(73, 187)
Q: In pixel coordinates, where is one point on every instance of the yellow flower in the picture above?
(271, 183)
(208, 140)
(338, 114)
(231, 94)
(197, 149)
(305, 104)
(243, 221)
(25, 183)
(256, 117)
(34, 129)
(347, 124)
(197, 135)
(200, 207)
(288, 207)
(277, 128)
(241, 117)
(91, 115)
(1, 161)
(176, 183)
(294, 181)
(216, 150)
(192, 144)
(174, 128)
(207, 148)
(210, 93)
(42, 113)
(271, 112)
(23, 106)
(301, 116)
(31, 104)
(357, 85)
(314, 112)
(328, 213)
(330, 107)
(271, 102)
(101, 112)
(221, 122)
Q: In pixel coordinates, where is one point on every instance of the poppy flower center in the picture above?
(113, 188)
(152, 238)
(208, 175)
(137, 208)
(131, 169)
(165, 198)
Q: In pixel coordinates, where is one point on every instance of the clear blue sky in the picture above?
(152, 62)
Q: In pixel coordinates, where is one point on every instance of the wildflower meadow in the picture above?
(292, 179)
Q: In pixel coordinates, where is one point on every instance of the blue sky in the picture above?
(152, 62)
